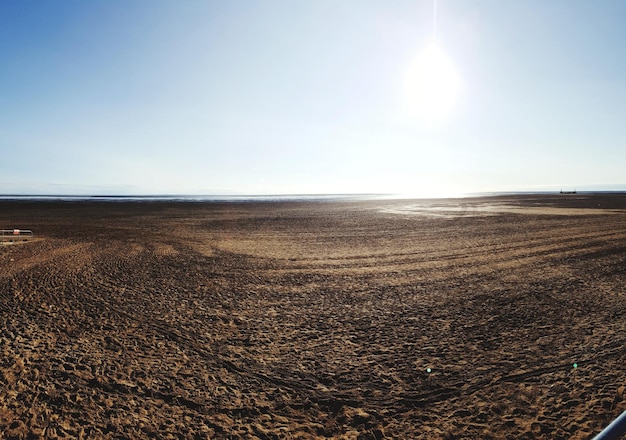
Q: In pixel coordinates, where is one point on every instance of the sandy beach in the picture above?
(481, 318)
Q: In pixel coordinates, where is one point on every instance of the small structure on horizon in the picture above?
(8, 236)
(568, 192)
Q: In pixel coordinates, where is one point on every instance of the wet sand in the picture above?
(498, 317)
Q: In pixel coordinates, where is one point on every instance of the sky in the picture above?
(421, 97)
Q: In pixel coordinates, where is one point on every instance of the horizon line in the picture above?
(286, 196)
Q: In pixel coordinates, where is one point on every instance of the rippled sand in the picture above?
(350, 320)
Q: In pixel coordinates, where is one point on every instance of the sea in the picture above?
(266, 198)
(195, 198)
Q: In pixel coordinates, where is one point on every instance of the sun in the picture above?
(431, 86)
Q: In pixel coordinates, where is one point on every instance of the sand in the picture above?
(355, 320)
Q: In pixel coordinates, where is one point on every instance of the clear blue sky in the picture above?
(266, 97)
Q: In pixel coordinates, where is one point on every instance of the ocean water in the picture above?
(194, 198)
(271, 198)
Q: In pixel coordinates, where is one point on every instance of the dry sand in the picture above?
(347, 320)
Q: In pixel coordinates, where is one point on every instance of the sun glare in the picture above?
(431, 86)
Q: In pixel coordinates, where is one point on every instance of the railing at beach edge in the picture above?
(615, 430)
(10, 236)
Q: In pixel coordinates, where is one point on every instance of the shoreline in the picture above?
(292, 197)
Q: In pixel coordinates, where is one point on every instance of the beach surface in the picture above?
(493, 318)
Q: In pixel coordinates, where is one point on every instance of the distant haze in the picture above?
(311, 97)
